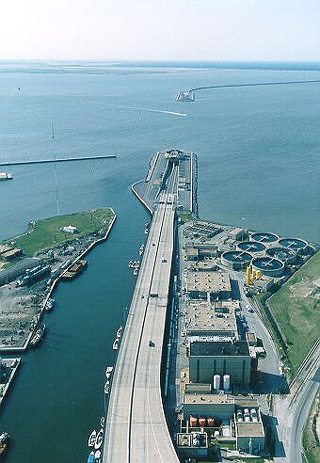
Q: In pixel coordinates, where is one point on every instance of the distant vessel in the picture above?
(38, 336)
(91, 457)
(5, 176)
(50, 304)
(92, 438)
(115, 345)
(4, 441)
(75, 269)
(109, 371)
(99, 440)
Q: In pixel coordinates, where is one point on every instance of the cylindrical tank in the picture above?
(226, 382)
(202, 421)
(210, 421)
(193, 421)
(216, 382)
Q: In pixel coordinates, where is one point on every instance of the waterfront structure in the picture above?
(136, 427)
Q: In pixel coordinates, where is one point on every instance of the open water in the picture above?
(259, 164)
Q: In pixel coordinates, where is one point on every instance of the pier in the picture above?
(46, 161)
(136, 427)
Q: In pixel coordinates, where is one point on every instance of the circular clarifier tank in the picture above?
(251, 246)
(289, 256)
(264, 237)
(268, 266)
(236, 259)
(296, 244)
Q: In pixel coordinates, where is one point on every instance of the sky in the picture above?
(267, 30)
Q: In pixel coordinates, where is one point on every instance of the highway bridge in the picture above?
(136, 429)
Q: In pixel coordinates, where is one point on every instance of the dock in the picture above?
(46, 161)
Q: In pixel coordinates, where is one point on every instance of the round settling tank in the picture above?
(264, 237)
(300, 246)
(251, 246)
(268, 266)
(236, 259)
(286, 255)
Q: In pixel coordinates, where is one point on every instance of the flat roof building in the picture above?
(207, 359)
(200, 285)
(203, 318)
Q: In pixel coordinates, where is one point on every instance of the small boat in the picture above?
(91, 457)
(146, 231)
(50, 304)
(97, 456)
(130, 263)
(102, 421)
(4, 440)
(135, 272)
(5, 176)
(107, 388)
(115, 345)
(99, 440)
(109, 371)
(119, 332)
(38, 336)
(92, 438)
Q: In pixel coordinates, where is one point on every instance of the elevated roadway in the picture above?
(136, 428)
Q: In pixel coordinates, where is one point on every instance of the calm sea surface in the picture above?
(259, 167)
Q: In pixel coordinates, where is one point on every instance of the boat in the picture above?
(99, 440)
(102, 421)
(75, 269)
(97, 456)
(119, 332)
(109, 371)
(146, 231)
(38, 336)
(50, 304)
(115, 345)
(91, 457)
(135, 272)
(92, 438)
(4, 441)
(130, 264)
(107, 388)
(5, 176)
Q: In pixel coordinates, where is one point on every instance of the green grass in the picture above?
(46, 234)
(184, 217)
(311, 450)
(296, 312)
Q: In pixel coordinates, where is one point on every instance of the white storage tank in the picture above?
(216, 382)
(226, 382)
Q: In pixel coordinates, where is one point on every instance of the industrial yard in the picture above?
(26, 285)
(225, 362)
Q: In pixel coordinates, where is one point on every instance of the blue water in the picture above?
(259, 167)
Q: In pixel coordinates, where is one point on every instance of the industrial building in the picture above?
(207, 359)
(219, 419)
(212, 285)
(203, 318)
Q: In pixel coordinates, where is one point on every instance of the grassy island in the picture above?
(296, 309)
(48, 233)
